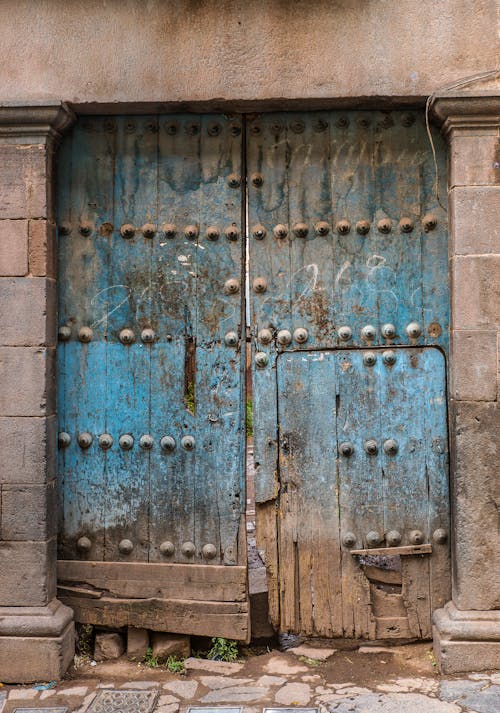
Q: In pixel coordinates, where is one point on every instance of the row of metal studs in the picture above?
(191, 128)
(126, 441)
(168, 230)
(369, 358)
(343, 227)
(127, 336)
(393, 538)
(321, 125)
(167, 549)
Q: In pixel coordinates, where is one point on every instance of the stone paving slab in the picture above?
(37, 710)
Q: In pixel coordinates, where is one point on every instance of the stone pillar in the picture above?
(36, 631)
(467, 629)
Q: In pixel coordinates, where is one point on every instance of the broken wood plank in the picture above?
(424, 549)
(140, 580)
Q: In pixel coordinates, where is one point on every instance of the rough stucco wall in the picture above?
(196, 50)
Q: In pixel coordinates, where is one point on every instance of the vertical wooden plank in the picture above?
(352, 190)
(396, 159)
(83, 265)
(309, 550)
(219, 340)
(172, 364)
(128, 370)
(436, 457)
(270, 261)
(360, 481)
(311, 276)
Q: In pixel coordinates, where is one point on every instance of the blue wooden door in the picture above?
(150, 363)
(349, 295)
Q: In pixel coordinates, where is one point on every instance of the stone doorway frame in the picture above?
(36, 630)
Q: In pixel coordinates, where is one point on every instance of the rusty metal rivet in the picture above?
(261, 359)
(84, 544)
(63, 439)
(384, 225)
(265, 336)
(188, 549)
(86, 229)
(389, 357)
(126, 442)
(373, 538)
(387, 121)
(342, 122)
(408, 119)
(276, 127)
(345, 333)
(414, 330)
(233, 180)
(363, 227)
(300, 230)
(255, 129)
(429, 222)
(191, 232)
(171, 128)
(416, 537)
(214, 129)
(231, 339)
(109, 127)
(322, 228)
(391, 447)
(127, 336)
(64, 229)
(349, 539)
(434, 330)
(346, 449)
(148, 230)
(188, 443)
(368, 332)
(320, 125)
(125, 547)
(84, 439)
(393, 538)
(369, 359)
(343, 227)
(235, 129)
(130, 127)
(209, 551)
(257, 179)
(440, 536)
(280, 231)
(364, 122)
(259, 285)
(406, 225)
(169, 230)
(259, 232)
(212, 233)
(105, 441)
(192, 128)
(231, 287)
(167, 548)
(388, 331)
(127, 231)
(297, 126)
(85, 334)
(146, 442)
(64, 333)
(284, 337)
(371, 447)
(301, 335)
(232, 232)
(167, 443)
(148, 336)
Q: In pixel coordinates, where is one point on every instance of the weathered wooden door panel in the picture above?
(356, 473)
(150, 361)
(348, 251)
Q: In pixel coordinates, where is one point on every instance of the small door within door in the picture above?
(363, 491)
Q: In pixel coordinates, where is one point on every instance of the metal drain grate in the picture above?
(111, 701)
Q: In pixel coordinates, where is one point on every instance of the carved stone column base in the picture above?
(466, 640)
(36, 643)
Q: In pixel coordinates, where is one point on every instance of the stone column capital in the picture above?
(473, 106)
(35, 123)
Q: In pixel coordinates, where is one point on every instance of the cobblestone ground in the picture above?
(368, 680)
